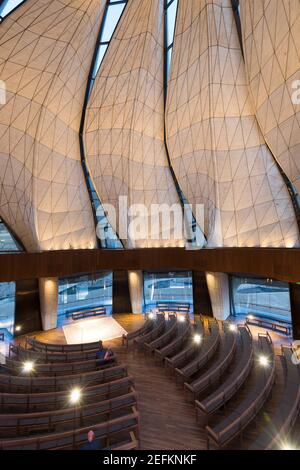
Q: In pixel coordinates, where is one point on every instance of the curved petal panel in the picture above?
(271, 37)
(216, 148)
(124, 130)
(46, 48)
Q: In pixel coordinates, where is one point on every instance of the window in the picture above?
(83, 293)
(168, 287)
(7, 242)
(171, 12)
(261, 297)
(7, 6)
(7, 308)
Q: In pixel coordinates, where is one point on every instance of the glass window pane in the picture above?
(8, 6)
(83, 293)
(100, 54)
(7, 242)
(169, 287)
(7, 307)
(113, 14)
(261, 297)
(169, 57)
(171, 20)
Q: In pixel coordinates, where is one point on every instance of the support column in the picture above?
(48, 288)
(135, 281)
(218, 287)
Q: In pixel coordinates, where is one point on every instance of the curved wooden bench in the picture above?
(37, 345)
(274, 435)
(47, 356)
(111, 432)
(216, 370)
(47, 401)
(156, 331)
(232, 425)
(12, 425)
(59, 368)
(166, 337)
(183, 333)
(189, 350)
(145, 328)
(208, 348)
(9, 383)
(212, 403)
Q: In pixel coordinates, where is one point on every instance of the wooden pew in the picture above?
(189, 350)
(22, 354)
(12, 425)
(275, 325)
(15, 384)
(184, 331)
(208, 348)
(165, 338)
(94, 312)
(47, 401)
(33, 343)
(113, 433)
(218, 367)
(276, 432)
(154, 333)
(231, 426)
(59, 368)
(209, 405)
(145, 328)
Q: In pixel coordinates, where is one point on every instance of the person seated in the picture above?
(91, 443)
(109, 353)
(101, 351)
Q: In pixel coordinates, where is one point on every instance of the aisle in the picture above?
(167, 421)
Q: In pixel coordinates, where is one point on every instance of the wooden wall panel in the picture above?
(202, 302)
(27, 313)
(279, 263)
(121, 296)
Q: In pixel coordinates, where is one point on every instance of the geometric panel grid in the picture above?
(216, 148)
(46, 49)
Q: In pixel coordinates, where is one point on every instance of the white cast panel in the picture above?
(271, 37)
(215, 145)
(124, 130)
(46, 49)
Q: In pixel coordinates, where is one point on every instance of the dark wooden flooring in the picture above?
(167, 420)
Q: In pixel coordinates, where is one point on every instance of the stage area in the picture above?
(94, 329)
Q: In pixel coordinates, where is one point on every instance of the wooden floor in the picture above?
(167, 421)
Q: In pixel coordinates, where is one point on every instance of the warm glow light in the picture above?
(250, 317)
(151, 315)
(75, 395)
(232, 327)
(263, 360)
(197, 339)
(18, 328)
(288, 446)
(181, 318)
(28, 366)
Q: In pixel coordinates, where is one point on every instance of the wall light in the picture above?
(151, 316)
(28, 366)
(197, 339)
(181, 318)
(18, 328)
(232, 327)
(75, 395)
(263, 360)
